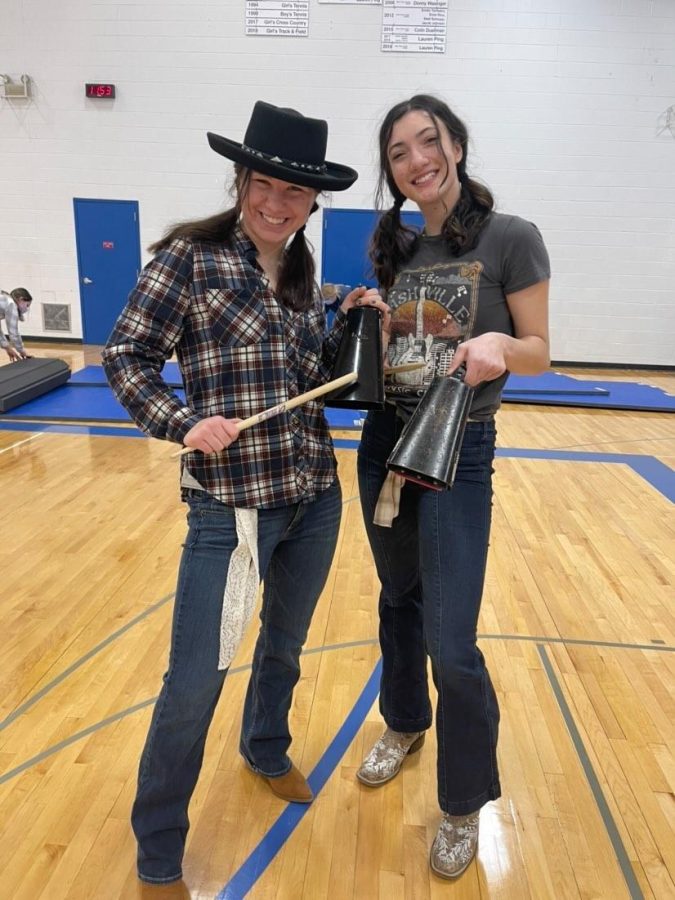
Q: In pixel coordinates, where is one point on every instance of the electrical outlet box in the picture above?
(15, 90)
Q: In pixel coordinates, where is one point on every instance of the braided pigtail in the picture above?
(392, 243)
(295, 285)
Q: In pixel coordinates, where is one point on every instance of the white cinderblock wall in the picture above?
(567, 102)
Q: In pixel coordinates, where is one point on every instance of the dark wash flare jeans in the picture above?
(431, 565)
(295, 550)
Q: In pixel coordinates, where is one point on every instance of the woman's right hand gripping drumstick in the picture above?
(212, 434)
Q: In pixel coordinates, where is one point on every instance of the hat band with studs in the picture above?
(308, 167)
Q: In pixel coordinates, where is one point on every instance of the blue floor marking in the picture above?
(251, 870)
(658, 474)
(145, 703)
(656, 647)
(58, 428)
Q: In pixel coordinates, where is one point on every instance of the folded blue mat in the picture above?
(616, 395)
(551, 383)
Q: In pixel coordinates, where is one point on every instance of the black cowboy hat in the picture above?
(284, 144)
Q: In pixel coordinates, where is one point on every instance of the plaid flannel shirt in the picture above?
(239, 352)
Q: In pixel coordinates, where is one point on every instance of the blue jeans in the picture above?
(295, 551)
(431, 565)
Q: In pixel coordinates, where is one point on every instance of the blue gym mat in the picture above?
(77, 404)
(551, 383)
(97, 403)
(615, 395)
(94, 376)
(87, 397)
(547, 383)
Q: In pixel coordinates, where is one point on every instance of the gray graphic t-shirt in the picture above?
(439, 300)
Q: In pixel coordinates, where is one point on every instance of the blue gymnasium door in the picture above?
(108, 261)
(346, 235)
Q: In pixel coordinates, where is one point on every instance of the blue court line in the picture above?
(251, 870)
(58, 428)
(657, 647)
(269, 846)
(656, 473)
(652, 470)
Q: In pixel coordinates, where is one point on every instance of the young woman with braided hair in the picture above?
(470, 290)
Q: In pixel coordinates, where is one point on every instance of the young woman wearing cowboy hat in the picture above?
(240, 308)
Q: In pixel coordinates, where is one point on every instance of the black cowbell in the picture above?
(360, 351)
(427, 451)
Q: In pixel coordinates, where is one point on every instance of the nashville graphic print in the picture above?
(433, 309)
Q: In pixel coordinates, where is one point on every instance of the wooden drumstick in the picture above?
(404, 367)
(326, 388)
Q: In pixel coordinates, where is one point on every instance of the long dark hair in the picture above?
(393, 243)
(295, 284)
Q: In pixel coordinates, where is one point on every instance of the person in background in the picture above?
(235, 297)
(13, 308)
(333, 295)
(471, 290)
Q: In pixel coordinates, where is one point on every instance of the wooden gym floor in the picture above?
(577, 625)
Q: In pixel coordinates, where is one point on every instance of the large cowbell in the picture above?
(360, 351)
(427, 452)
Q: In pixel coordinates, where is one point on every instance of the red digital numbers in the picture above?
(100, 90)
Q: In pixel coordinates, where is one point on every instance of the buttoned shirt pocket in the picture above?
(310, 333)
(313, 330)
(238, 317)
(309, 337)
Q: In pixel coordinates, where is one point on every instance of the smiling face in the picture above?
(422, 159)
(273, 210)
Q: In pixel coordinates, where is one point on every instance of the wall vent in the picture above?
(56, 317)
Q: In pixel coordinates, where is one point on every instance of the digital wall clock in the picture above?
(100, 91)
